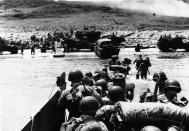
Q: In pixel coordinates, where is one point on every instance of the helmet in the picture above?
(116, 93)
(115, 57)
(162, 75)
(90, 126)
(155, 77)
(119, 80)
(75, 76)
(103, 83)
(173, 85)
(150, 128)
(89, 104)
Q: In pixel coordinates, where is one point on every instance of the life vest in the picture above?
(140, 114)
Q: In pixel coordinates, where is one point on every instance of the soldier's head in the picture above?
(162, 76)
(140, 56)
(172, 87)
(75, 76)
(102, 83)
(155, 77)
(116, 93)
(150, 128)
(89, 105)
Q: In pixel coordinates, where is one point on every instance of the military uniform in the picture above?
(70, 98)
(86, 122)
(160, 79)
(83, 123)
(138, 61)
(172, 87)
(143, 69)
(163, 99)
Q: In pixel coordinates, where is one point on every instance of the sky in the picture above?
(163, 7)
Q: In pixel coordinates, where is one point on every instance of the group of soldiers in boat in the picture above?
(102, 101)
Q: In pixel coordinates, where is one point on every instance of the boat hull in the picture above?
(106, 52)
(49, 117)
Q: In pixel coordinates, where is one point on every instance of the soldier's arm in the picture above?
(155, 93)
(62, 100)
(105, 112)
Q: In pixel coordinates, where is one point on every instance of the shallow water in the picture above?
(27, 81)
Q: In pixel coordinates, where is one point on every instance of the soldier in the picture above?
(86, 122)
(33, 49)
(115, 94)
(142, 70)
(114, 60)
(160, 79)
(138, 61)
(172, 88)
(102, 74)
(138, 47)
(126, 63)
(71, 97)
(53, 47)
(102, 87)
(22, 49)
(147, 64)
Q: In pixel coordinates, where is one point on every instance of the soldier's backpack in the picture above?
(77, 124)
(71, 125)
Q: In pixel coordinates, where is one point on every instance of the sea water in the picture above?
(26, 81)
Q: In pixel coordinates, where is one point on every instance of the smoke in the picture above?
(162, 7)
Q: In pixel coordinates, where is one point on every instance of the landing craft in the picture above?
(170, 44)
(50, 118)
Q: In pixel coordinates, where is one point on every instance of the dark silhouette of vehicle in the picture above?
(106, 47)
(84, 40)
(5, 47)
(170, 44)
